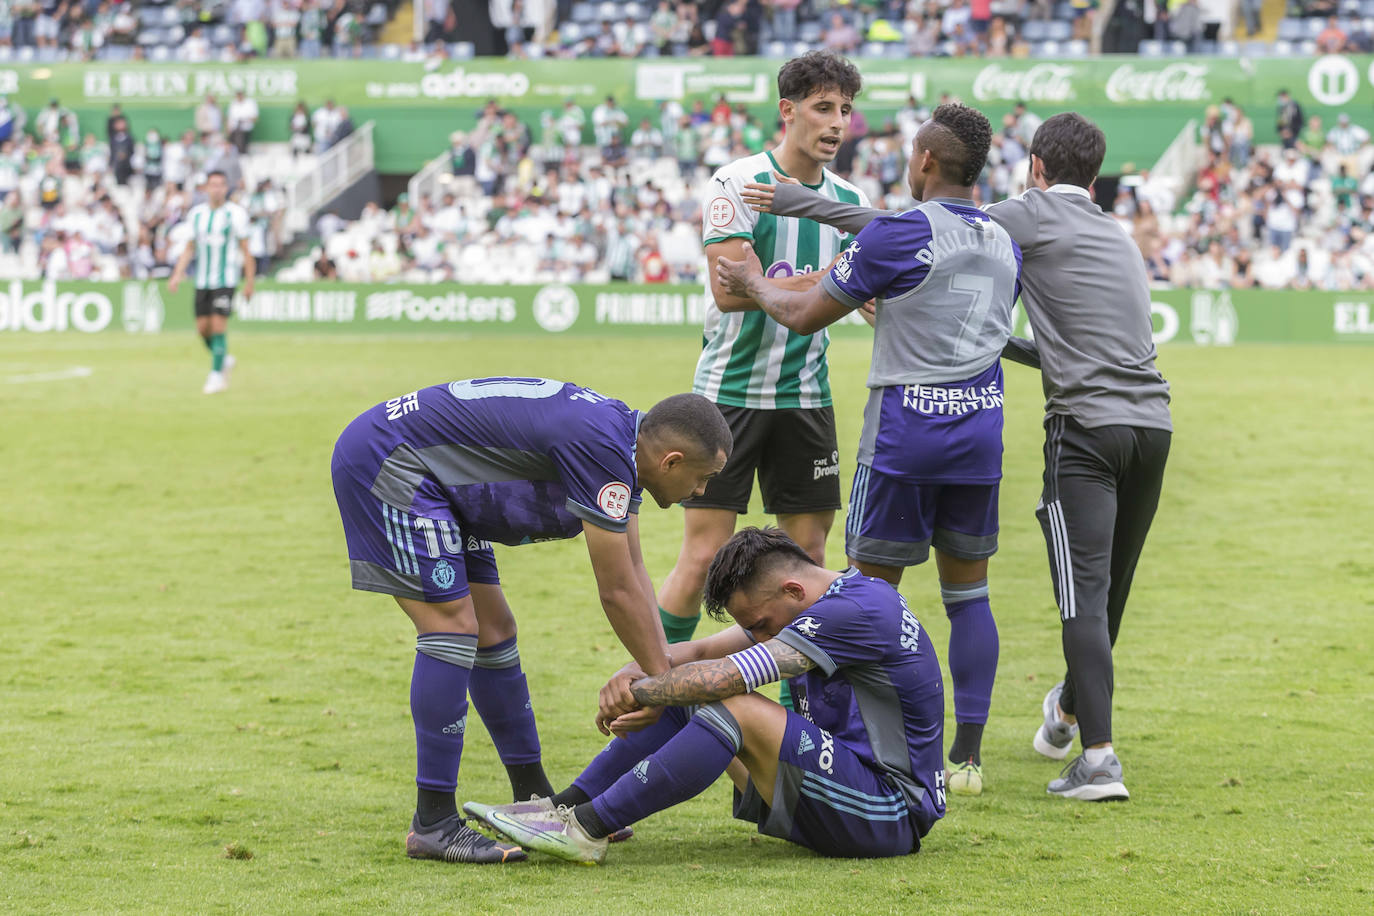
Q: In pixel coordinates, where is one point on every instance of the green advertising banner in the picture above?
(1141, 103)
(1202, 317)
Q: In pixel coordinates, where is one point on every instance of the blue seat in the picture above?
(1151, 48)
(1045, 49)
(1076, 48)
(1291, 30)
(462, 50)
(584, 12)
(776, 49)
(1035, 30)
(1058, 30)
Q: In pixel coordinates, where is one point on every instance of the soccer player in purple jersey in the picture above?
(857, 772)
(944, 277)
(426, 481)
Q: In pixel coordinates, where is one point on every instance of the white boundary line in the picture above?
(54, 376)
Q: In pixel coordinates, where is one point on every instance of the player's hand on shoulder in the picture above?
(759, 197)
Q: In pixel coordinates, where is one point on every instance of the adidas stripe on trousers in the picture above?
(1101, 487)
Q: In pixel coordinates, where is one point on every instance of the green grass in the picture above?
(198, 715)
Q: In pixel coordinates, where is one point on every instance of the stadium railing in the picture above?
(339, 166)
(424, 183)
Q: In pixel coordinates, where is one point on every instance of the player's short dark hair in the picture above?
(817, 71)
(690, 420)
(751, 553)
(213, 172)
(959, 138)
(1071, 147)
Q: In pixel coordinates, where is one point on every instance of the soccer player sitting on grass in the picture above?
(858, 773)
(426, 481)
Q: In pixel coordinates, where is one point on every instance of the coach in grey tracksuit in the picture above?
(1107, 424)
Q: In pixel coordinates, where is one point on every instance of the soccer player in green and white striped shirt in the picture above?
(219, 244)
(772, 385)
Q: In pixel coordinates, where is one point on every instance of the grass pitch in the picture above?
(198, 715)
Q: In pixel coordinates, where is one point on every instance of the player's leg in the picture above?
(673, 760)
(417, 559)
(498, 686)
(965, 537)
(1137, 499)
(708, 522)
(799, 479)
(1077, 514)
(890, 524)
(704, 531)
(222, 306)
(808, 787)
(799, 476)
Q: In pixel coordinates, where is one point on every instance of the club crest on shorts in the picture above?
(614, 500)
(443, 574)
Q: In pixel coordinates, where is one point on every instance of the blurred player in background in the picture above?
(219, 244)
(771, 384)
(945, 278)
(425, 482)
(856, 774)
(1107, 422)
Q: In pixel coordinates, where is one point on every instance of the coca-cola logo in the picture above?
(1040, 83)
(1174, 83)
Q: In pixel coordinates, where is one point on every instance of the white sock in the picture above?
(1095, 755)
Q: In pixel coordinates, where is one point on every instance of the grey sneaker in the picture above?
(1081, 780)
(557, 833)
(535, 805)
(1054, 737)
(451, 840)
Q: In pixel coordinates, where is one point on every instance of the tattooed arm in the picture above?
(716, 679)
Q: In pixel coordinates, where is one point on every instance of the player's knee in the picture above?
(457, 616)
(719, 719)
(696, 559)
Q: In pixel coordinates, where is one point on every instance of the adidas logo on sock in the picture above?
(806, 744)
(641, 771)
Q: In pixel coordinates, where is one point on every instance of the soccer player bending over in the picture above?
(856, 774)
(426, 481)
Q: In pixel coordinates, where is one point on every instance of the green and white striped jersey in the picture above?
(216, 234)
(748, 359)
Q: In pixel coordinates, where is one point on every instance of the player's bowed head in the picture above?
(683, 442)
(763, 580)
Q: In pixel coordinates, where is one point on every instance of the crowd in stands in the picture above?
(195, 31)
(775, 27)
(544, 204)
(595, 196)
(538, 203)
(1296, 216)
(109, 205)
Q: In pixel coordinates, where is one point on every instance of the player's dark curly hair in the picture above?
(691, 420)
(971, 129)
(1071, 147)
(744, 558)
(817, 71)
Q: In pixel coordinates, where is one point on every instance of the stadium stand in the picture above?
(588, 196)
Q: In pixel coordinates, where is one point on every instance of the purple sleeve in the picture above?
(834, 632)
(881, 261)
(600, 480)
